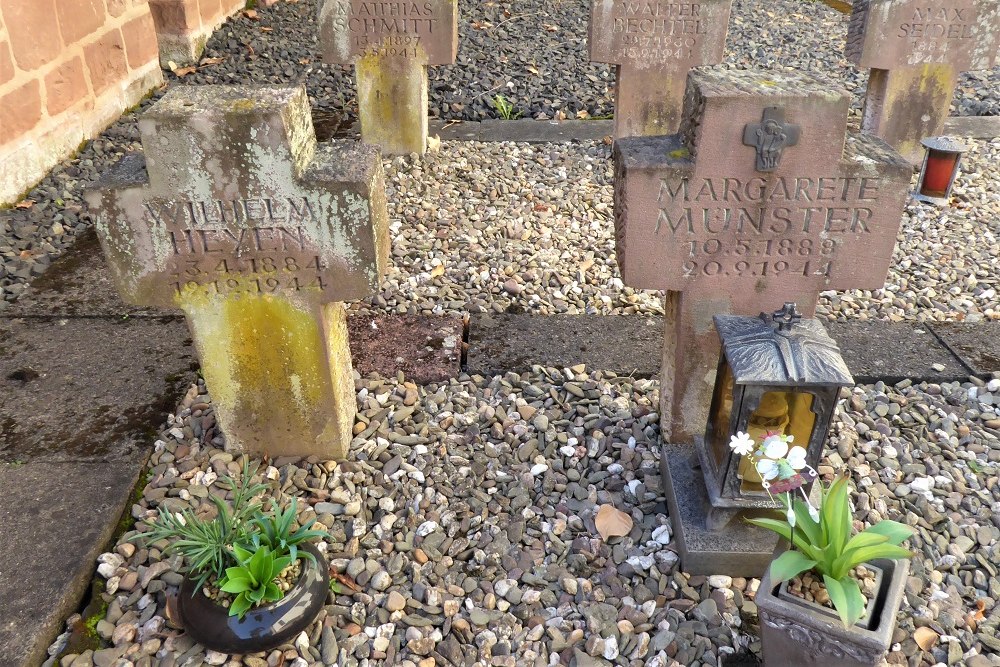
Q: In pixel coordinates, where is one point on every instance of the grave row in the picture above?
(235, 214)
(913, 49)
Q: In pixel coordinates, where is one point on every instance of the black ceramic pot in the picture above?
(261, 628)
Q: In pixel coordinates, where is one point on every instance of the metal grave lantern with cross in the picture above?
(762, 198)
(235, 215)
(779, 375)
(390, 45)
(915, 50)
(653, 46)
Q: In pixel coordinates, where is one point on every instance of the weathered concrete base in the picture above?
(976, 344)
(739, 550)
(905, 105)
(648, 102)
(392, 103)
(891, 352)
(502, 343)
(279, 373)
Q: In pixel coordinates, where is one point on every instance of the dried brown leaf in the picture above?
(439, 269)
(26, 203)
(182, 72)
(205, 62)
(250, 14)
(925, 638)
(612, 522)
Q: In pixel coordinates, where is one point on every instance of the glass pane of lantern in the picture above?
(722, 408)
(782, 413)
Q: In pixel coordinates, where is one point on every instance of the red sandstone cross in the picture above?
(744, 210)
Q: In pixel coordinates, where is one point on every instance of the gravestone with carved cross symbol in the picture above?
(759, 200)
(653, 44)
(915, 50)
(234, 214)
(390, 43)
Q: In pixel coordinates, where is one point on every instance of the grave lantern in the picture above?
(937, 176)
(778, 375)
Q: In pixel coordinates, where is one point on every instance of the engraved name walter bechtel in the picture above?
(770, 137)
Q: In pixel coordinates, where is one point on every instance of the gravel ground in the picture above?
(534, 52)
(466, 519)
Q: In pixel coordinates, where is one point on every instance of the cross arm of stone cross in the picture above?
(233, 195)
(889, 34)
(659, 36)
(421, 30)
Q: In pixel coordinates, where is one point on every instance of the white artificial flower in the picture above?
(775, 447)
(797, 458)
(767, 469)
(814, 513)
(741, 443)
(791, 517)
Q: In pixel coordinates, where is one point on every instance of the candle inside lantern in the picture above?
(938, 173)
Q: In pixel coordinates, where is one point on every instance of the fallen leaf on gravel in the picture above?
(251, 14)
(346, 581)
(211, 61)
(925, 638)
(612, 522)
(27, 203)
(439, 269)
(181, 72)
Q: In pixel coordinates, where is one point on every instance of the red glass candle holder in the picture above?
(937, 176)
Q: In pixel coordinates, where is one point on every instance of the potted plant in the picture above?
(252, 580)
(832, 597)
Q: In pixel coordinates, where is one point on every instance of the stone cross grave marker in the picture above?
(390, 43)
(235, 215)
(653, 44)
(915, 50)
(759, 200)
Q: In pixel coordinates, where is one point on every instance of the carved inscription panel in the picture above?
(658, 34)
(295, 246)
(886, 34)
(740, 234)
(416, 29)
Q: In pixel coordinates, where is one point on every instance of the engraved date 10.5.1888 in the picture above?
(760, 257)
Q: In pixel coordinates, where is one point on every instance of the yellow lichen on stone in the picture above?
(392, 102)
(266, 361)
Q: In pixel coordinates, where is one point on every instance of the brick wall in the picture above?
(68, 68)
(183, 26)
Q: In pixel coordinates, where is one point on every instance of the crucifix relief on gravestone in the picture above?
(390, 43)
(759, 200)
(237, 216)
(653, 44)
(915, 50)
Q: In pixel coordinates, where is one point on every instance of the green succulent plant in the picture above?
(275, 531)
(252, 581)
(821, 541)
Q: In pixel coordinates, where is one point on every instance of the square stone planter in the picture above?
(793, 633)
(866, 622)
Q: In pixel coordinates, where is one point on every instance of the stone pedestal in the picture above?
(392, 99)
(236, 216)
(735, 548)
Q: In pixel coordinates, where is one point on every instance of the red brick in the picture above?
(79, 18)
(65, 86)
(175, 17)
(106, 61)
(6, 63)
(140, 41)
(20, 110)
(33, 31)
(211, 11)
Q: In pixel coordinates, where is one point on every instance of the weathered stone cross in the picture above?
(238, 217)
(915, 50)
(653, 44)
(696, 214)
(390, 43)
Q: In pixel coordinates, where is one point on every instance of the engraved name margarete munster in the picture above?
(215, 226)
(781, 205)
